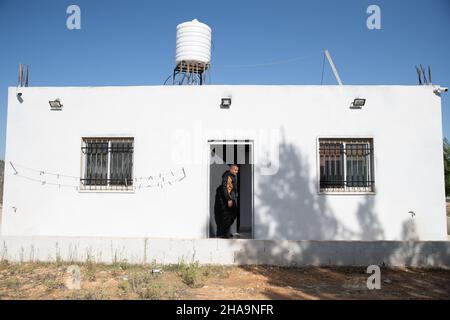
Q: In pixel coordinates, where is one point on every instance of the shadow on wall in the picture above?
(289, 209)
(370, 227)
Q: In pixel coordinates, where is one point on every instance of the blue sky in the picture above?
(133, 42)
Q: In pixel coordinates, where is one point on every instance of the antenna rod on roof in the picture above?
(429, 74)
(425, 81)
(23, 75)
(333, 67)
(419, 75)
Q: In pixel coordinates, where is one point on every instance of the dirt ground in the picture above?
(191, 281)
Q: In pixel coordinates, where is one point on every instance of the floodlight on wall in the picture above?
(55, 104)
(226, 103)
(358, 103)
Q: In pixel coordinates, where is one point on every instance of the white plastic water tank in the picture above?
(193, 42)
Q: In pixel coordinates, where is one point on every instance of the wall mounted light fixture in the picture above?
(358, 103)
(55, 104)
(226, 103)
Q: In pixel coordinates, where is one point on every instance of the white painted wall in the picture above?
(404, 121)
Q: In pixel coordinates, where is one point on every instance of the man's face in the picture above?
(234, 170)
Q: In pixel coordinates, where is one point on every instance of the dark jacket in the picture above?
(228, 188)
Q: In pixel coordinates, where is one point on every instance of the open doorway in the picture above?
(222, 154)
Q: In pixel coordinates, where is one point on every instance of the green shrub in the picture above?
(145, 286)
(190, 274)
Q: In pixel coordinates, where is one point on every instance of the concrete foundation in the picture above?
(227, 252)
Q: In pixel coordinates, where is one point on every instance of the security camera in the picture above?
(19, 97)
(440, 90)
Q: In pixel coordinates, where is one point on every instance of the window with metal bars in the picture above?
(107, 164)
(346, 165)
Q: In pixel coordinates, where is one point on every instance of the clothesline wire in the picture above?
(44, 182)
(140, 186)
(44, 172)
(154, 181)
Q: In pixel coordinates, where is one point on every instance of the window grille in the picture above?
(346, 165)
(107, 164)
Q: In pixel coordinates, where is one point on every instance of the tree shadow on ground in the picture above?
(350, 283)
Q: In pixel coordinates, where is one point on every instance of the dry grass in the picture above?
(121, 280)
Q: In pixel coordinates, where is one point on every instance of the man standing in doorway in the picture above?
(225, 206)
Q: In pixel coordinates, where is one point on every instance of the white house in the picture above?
(144, 161)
